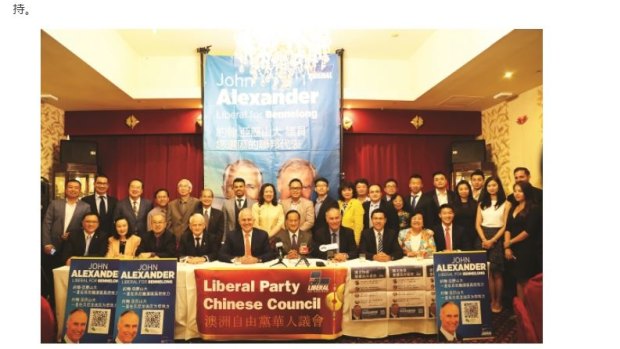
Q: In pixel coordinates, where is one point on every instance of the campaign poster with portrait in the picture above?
(91, 300)
(462, 295)
(267, 134)
(145, 301)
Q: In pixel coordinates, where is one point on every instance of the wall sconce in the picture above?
(347, 122)
(199, 120)
(132, 121)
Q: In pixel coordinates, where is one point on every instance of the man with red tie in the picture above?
(448, 236)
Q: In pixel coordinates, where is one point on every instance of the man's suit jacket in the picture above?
(76, 245)
(125, 208)
(420, 205)
(442, 339)
(346, 242)
(54, 222)
(459, 240)
(391, 247)
(209, 246)
(319, 221)
(177, 220)
(231, 213)
(234, 246)
(306, 211)
(432, 216)
(303, 237)
(106, 222)
(390, 214)
(167, 244)
(216, 221)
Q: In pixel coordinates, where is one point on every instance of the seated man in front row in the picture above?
(335, 233)
(196, 244)
(246, 245)
(158, 242)
(379, 243)
(292, 238)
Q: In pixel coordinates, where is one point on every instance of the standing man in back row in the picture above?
(322, 203)
(102, 203)
(180, 209)
(235, 204)
(134, 207)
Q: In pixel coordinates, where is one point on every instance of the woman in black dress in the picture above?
(523, 229)
(465, 212)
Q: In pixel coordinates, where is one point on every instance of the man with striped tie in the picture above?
(380, 243)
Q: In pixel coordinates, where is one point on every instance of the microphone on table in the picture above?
(330, 249)
(279, 247)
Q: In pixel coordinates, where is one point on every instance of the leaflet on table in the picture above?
(369, 305)
(406, 277)
(407, 304)
(461, 281)
(146, 299)
(367, 279)
(91, 299)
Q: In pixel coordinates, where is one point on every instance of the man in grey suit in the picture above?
(292, 237)
(232, 206)
(300, 204)
(134, 207)
(62, 216)
(179, 210)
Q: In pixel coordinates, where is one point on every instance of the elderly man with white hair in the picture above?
(180, 209)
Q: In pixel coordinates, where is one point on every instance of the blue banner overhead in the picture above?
(270, 135)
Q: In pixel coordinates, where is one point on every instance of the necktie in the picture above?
(157, 242)
(413, 200)
(183, 207)
(380, 245)
(448, 239)
(248, 249)
(102, 209)
(294, 241)
(88, 238)
(197, 242)
(239, 203)
(135, 208)
(334, 237)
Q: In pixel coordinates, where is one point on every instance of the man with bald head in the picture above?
(159, 242)
(180, 209)
(246, 245)
(196, 244)
(75, 326)
(449, 316)
(127, 327)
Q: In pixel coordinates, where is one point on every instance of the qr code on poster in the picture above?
(99, 320)
(152, 322)
(471, 312)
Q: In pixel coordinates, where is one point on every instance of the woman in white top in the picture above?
(490, 225)
(268, 214)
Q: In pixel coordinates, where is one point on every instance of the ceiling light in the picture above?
(508, 75)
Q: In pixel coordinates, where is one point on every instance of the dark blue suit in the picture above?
(459, 239)
(125, 208)
(234, 246)
(391, 247)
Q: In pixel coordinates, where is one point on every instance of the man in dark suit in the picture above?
(337, 234)
(414, 202)
(196, 244)
(449, 316)
(448, 236)
(374, 193)
(292, 238)
(213, 216)
(102, 203)
(158, 242)
(87, 241)
(523, 174)
(180, 209)
(380, 243)
(57, 224)
(232, 206)
(390, 188)
(246, 245)
(439, 196)
(322, 203)
(134, 207)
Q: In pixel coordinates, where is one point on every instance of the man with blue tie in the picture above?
(246, 245)
(380, 243)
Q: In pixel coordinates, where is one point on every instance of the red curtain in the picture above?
(379, 157)
(159, 160)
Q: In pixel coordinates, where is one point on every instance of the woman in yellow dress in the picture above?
(351, 209)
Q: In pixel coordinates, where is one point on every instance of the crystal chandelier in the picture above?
(280, 57)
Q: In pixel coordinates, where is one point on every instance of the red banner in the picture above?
(270, 303)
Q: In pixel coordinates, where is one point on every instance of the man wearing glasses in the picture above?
(300, 204)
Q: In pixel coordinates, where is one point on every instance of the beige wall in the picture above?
(52, 131)
(513, 144)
